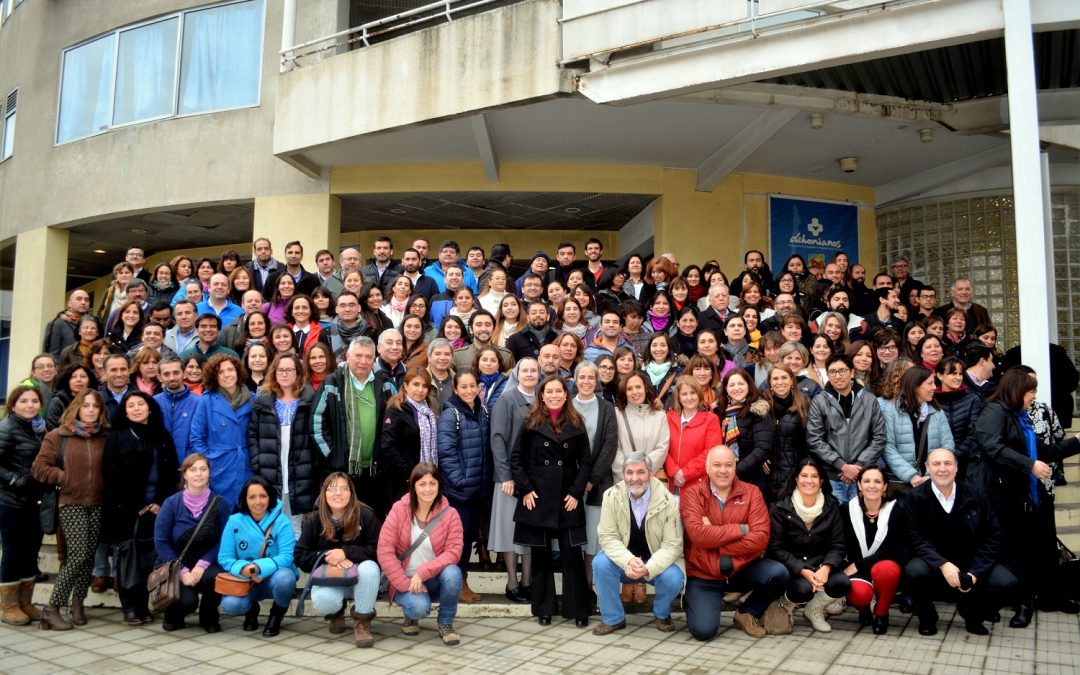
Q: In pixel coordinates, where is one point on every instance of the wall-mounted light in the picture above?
(817, 120)
(849, 165)
(926, 135)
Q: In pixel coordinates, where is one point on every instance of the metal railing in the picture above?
(364, 34)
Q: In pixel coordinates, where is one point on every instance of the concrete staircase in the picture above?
(1067, 501)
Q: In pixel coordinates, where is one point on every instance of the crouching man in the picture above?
(727, 531)
(640, 537)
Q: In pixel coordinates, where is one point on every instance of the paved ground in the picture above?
(497, 645)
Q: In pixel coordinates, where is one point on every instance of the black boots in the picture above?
(251, 619)
(273, 622)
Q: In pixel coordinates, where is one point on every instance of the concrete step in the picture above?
(1072, 472)
(1066, 514)
(1070, 536)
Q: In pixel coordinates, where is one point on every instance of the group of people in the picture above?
(797, 439)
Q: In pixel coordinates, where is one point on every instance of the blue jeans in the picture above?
(844, 492)
(607, 576)
(327, 600)
(447, 586)
(279, 586)
(704, 598)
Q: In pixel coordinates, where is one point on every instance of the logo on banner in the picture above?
(815, 227)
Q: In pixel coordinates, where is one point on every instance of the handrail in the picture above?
(367, 31)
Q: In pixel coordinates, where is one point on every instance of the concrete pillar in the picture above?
(314, 220)
(38, 294)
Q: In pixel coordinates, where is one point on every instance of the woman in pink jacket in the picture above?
(694, 430)
(419, 548)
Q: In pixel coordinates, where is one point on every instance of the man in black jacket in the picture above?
(955, 543)
(527, 342)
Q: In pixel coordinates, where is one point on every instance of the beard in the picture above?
(637, 489)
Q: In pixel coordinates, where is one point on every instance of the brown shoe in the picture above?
(78, 612)
(362, 629)
(627, 593)
(337, 622)
(13, 615)
(449, 636)
(411, 627)
(639, 593)
(749, 624)
(26, 600)
(468, 596)
(605, 629)
(665, 625)
(99, 584)
(51, 619)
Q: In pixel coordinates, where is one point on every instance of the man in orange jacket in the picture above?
(726, 525)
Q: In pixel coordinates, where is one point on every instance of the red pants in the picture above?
(884, 577)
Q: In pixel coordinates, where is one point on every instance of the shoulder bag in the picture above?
(163, 583)
(49, 504)
(239, 587)
(327, 575)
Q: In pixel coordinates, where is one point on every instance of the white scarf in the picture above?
(855, 512)
(808, 514)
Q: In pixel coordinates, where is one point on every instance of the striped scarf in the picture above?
(425, 419)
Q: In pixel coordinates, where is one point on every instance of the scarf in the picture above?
(658, 323)
(696, 292)
(855, 512)
(486, 383)
(781, 405)
(82, 430)
(657, 371)
(1030, 444)
(577, 331)
(238, 398)
(347, 334)
(458, 343)
(425, 419)
(808, 514)
(195, 503)
(729, 426)
(396, 306)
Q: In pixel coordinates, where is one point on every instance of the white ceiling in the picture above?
(672, 133)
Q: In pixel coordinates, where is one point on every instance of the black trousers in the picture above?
(190, 596)
(1030, 549)
(575, 588)
(992, 592)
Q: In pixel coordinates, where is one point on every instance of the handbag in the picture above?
(49, 503)
(238, 587)
(1068, 572)
(326, 575)
(133, 559)
(163, 584)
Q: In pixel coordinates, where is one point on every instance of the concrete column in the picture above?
(1031, 239)
(41, 261)
(313, 220)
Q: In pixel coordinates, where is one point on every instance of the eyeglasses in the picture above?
(887, 348)
(285, 371)
(838, 371)
(338, 490)
(606, 367)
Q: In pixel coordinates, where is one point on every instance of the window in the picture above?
(192, 62)
(8, 142)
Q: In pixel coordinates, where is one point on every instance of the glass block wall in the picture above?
(974, 235)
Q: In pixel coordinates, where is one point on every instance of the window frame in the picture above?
(8, 114)
(175, 104)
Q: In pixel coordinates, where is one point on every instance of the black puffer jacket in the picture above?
(264, 450)
(961, 407)
(57, 405)
(19, 445)
(130, 452)
(789, 446)
(755, 443)
(358, 547)
(798, 548)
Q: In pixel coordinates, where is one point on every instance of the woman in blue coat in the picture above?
(220, 426)
(914, 425)
(465, 461)
(241, 554)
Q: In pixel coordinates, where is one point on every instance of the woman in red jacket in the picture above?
(419, 548)
(693, 430)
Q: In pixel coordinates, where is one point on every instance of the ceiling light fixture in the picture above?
(398, 211)
(849, 165)
(100, 250)
(138, 230)
(926, 135)
(817, 120)
(572, 209)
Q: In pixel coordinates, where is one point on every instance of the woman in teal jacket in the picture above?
(241, 554)
(914, 411)
(220, 425)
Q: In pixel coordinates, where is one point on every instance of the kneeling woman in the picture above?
(344, 533)
(178, 536)
(258, 544)
(874, 531)
(419, 548)
(808, 538)
(551, 464)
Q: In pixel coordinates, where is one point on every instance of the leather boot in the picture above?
(78, 612)
(626, 594)
(467, 596)
(251, 618)
(9, 598)
(273, 622)
(337, 621)
(362, 629)
(51, 619)
(26, 600)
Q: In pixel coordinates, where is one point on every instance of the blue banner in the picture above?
(815, 230)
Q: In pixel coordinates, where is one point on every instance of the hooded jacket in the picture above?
(663, 528)
(264, 451)
(690, 445)
(465, 450)
(242, 542)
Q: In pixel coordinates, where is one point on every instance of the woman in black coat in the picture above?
(281, 426)
(808, 539)
(962, 408)
(21, 433)
(746, 422)
(789, 411)
(1023, 491)
(551, 463)
(410, 431)
(140, 474)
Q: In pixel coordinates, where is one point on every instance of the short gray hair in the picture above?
(638, 458)
(439, 342)
(387, 334)
(362, 341)
(586, 365)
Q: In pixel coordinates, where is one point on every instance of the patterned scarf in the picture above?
(83, 430)
(425, 419)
